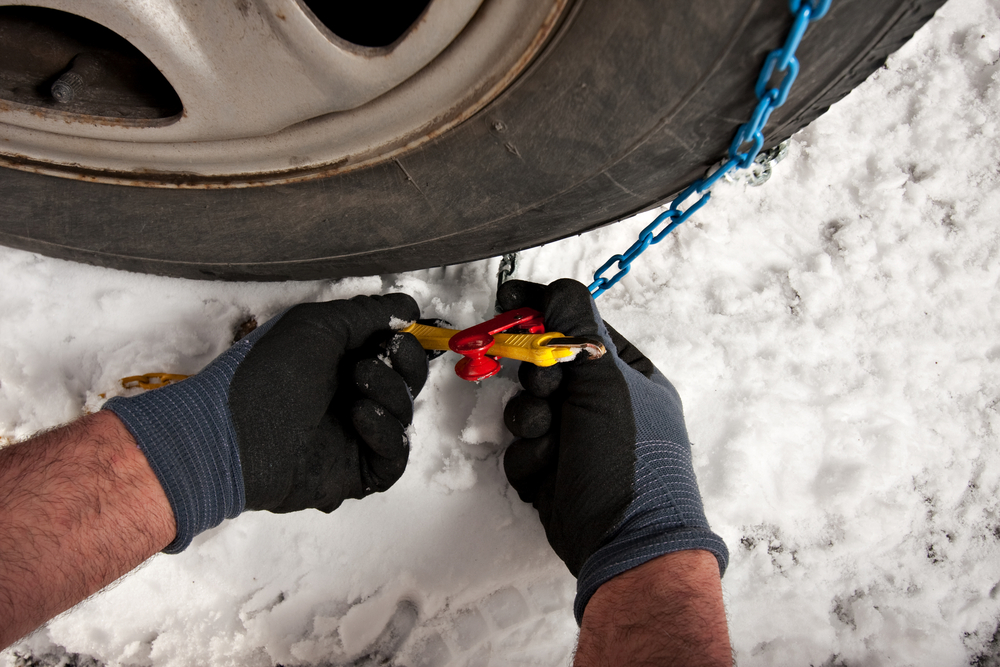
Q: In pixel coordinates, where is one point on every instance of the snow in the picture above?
(833, 335)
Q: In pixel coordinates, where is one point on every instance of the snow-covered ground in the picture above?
(834, 335)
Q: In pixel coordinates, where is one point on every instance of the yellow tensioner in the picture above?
(481, 345)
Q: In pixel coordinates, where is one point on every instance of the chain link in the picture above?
(749, 137)
(508, 265)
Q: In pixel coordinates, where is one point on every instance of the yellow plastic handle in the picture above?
(521, 347)
(431, 338)
(530, 347)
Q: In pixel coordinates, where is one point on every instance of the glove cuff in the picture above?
(631, 550)
(192, 452)
(665, 516)
(187, 434)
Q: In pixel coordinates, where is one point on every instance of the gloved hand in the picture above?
(603, 453)
(300, 413)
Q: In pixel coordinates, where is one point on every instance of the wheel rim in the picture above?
(270, 94)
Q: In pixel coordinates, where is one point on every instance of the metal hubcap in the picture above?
(248, 92)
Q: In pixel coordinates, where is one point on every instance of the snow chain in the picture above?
(751, 133)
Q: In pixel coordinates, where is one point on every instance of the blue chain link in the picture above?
(749, 134)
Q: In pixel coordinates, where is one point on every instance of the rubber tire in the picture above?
(631, 101)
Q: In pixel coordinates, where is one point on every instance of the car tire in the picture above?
(628, 103)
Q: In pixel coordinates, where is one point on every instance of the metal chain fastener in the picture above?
(749, 137)
(763, 165)
(508, 265)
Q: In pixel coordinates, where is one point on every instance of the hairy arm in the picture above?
(667, 611)
(79, 508)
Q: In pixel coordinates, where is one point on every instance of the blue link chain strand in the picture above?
(750, 134)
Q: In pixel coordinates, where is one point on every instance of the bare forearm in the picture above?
(79, 507)
(668, 611)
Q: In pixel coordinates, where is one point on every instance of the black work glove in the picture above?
(603, 453)
(308, 410)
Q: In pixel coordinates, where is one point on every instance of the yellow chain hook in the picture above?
(151, 380)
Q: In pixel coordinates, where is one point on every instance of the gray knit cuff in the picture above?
(187, 434)
(631, 551)
(202, 481)
(665, 516)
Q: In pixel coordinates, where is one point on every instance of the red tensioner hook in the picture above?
(474, 343)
